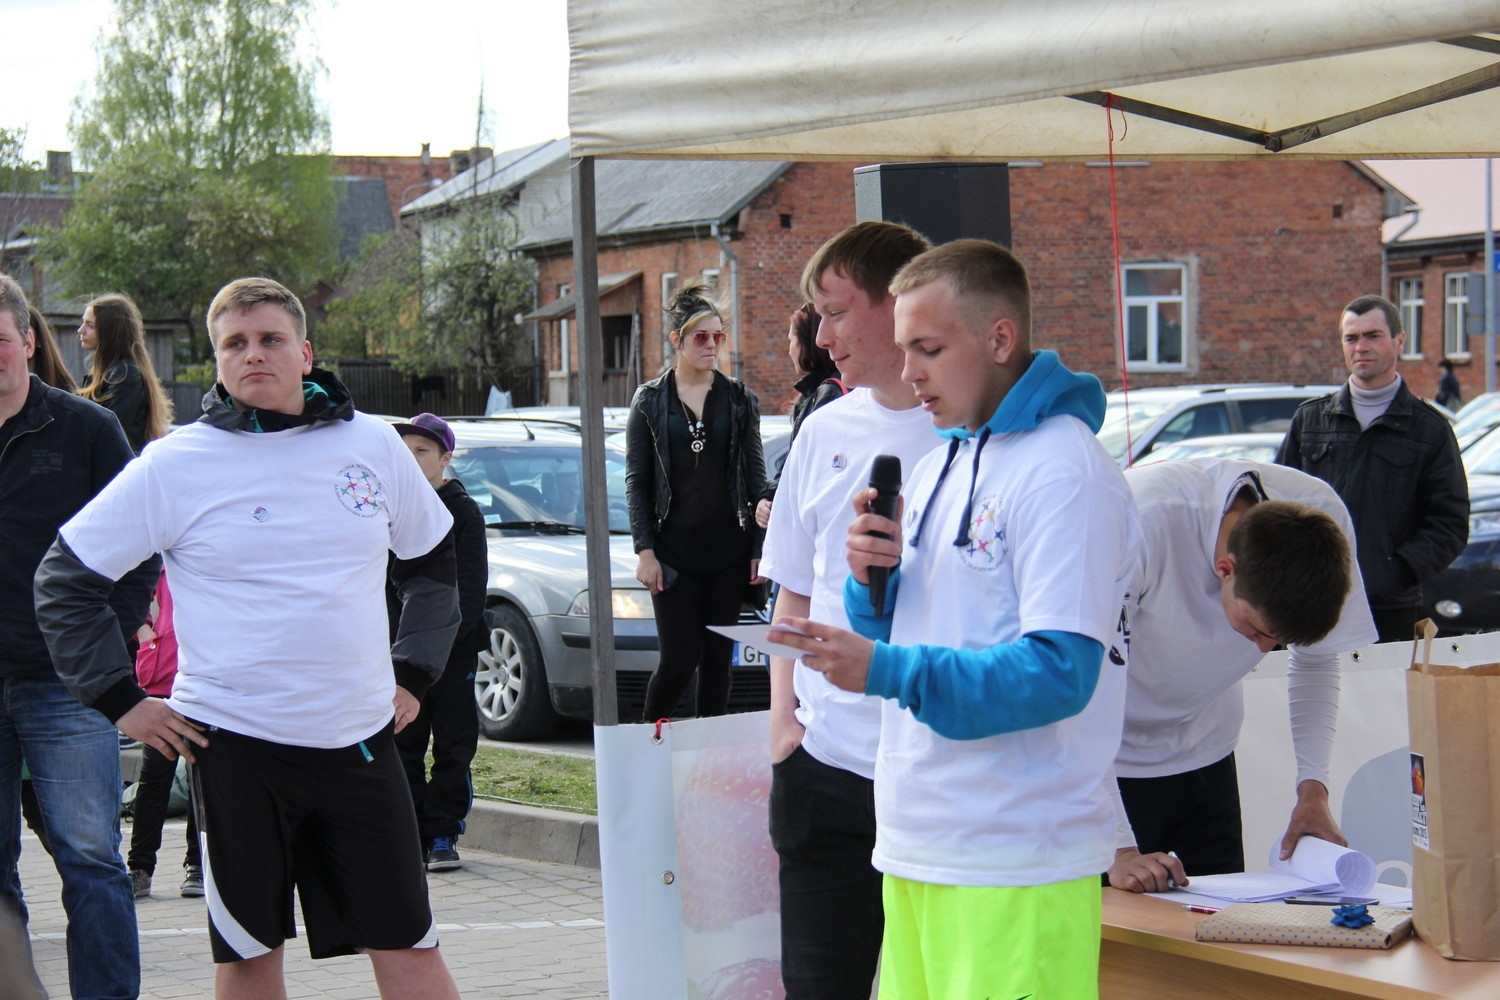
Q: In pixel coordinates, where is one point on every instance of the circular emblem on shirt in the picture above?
(359, 490)
(840, 461)
(986, 549)
(259, 514)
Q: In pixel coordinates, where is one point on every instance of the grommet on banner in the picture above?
(656, 737)
(667, 878)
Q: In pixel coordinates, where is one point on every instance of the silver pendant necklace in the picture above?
(695, 428)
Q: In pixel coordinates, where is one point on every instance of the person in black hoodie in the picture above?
(693, 471)
(122, 378)
(56, 452)
(448, 715)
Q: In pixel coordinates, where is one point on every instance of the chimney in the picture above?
(60, 169)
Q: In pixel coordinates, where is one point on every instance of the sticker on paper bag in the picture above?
(1419, 803)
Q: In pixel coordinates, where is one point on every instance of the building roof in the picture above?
(23, 214)
(364, 209)
(566, 305)
(500, 173)
(640, 196)
(1449, 195)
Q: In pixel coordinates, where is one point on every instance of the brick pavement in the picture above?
(509, 928)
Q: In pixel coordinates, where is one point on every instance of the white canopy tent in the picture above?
(1021, 79)
(1005, 80)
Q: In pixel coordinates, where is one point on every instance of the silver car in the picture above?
(526, 475)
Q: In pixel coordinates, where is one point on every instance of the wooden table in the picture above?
(1149, 953)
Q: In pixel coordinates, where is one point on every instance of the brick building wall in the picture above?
(400, 173)
(1433, 267)
(1272, 250)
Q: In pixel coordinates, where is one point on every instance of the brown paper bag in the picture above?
(1455, 755)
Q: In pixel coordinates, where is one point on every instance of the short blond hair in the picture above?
(976, 268)
(244, 294)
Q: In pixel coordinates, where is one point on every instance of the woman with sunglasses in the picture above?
(693, 471)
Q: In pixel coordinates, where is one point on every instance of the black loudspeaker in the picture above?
(942, 201)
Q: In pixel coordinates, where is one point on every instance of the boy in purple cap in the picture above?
(448, 716)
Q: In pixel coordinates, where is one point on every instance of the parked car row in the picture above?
(525, 471)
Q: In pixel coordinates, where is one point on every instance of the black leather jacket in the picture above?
(1401, 479)
(648, 485)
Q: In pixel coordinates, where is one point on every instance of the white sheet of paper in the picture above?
(1320, 861)
(761, 637)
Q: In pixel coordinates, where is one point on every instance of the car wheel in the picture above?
(510, 682)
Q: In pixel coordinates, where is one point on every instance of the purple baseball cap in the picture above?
(431, 426)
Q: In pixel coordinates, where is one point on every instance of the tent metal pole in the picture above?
(591, 416)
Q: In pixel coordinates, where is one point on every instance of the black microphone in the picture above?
(885, 480)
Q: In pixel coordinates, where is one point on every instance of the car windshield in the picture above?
(1483, 456)
(536, 485)
(1143, 413)
(1208, 447)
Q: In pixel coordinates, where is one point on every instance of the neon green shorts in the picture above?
(954, 942)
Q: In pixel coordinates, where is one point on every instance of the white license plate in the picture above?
(748, 656)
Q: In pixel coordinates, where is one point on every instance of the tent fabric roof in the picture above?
(1014, 79)
(635, 196)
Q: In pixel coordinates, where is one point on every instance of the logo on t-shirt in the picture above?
(259, 514)
(986, 549)
(840, 461)
(359, 490)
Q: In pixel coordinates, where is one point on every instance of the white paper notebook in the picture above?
(1315, 866)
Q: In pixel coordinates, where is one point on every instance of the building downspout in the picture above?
(734, 298)
(1385, 257)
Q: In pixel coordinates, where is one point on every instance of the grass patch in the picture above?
(549, 780)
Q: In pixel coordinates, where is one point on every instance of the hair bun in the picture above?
(692, 299)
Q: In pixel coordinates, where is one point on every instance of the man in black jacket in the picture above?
(1394, 462)
(56, 452)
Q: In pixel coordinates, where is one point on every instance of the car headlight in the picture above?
(1484, 524)
(633, 602)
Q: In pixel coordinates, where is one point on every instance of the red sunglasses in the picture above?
(700, 337)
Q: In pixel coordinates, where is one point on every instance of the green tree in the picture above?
(472, 287)
(209, 157)
(213, 83)
(381, 305)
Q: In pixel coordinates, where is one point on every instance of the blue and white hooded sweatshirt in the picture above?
(1003, 656)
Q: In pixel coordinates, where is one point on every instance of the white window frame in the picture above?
(1150, 363)
(1410, 301)
(1455, 314)
(564, 329)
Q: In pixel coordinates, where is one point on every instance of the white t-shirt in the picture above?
(804, 551)
(275, 546)
(1184, 704)
(1053, 531)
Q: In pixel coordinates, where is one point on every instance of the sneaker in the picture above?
(140, 881)
(443, 855)
(192, 881)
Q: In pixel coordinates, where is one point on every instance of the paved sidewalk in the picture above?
(510, 928)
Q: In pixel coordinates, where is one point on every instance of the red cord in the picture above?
(659, 724)
(1114, 225)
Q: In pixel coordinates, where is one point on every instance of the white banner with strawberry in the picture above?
(691, 906)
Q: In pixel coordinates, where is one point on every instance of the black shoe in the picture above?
(443, 855)
(192, 881)
(140, 883)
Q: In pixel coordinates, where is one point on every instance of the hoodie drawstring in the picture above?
(916, 536)
(963, 524)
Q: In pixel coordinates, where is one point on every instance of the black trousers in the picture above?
(1196, 814)
(823, 829)
(150, 812)
(450, 720)
(1396, 624)
(683, 612)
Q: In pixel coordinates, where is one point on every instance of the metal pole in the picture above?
(1489, 276)
(591, 416)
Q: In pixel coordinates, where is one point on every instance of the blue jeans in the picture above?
(74, 757)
